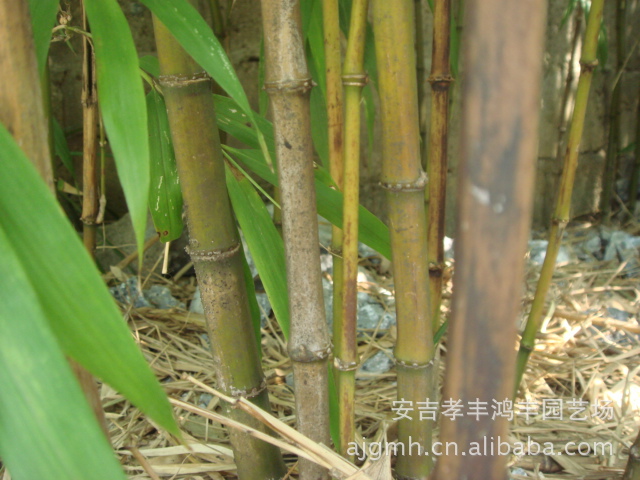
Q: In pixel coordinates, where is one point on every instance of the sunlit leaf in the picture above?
(165, 196)
(79, 309)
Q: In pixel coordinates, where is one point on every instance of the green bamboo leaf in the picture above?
(79, 309)
(254, 308)
(150, 64)
(319, 125)
(43, 18)
(122, 104)
(264, 242)
(61, 148)
(165, 196)
(372, 231)
(42, 409)
(232, 120)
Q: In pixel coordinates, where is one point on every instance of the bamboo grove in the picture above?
(167, 118)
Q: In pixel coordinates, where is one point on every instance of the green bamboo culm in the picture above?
(346, 347)
(440, 80)
(611, 163)
(215, 248)
(404, 181)
(335, 137)
(588, 62)
(288, 83)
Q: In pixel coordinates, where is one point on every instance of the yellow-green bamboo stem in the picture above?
(215, 248)
(632, 471)
(288, 83)
(420, 71)
(560, 219)
(496, 176)
(404, 180)
(346, 347)
(90, 186)
(611, 163)
(440, 79)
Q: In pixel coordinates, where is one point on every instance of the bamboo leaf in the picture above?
(42, 408)
(165, 196)
(372, 231)
(264, 242)
(319, 125)
(61, 148)
(79, 309)
(43, 18)
(254, 308)
(122, 104)
(150, 64)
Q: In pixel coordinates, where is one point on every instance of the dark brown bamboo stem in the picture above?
(440, 80)
(503, 64)
(215, 248)
(288, 84)
(90, 185)
(404, 181)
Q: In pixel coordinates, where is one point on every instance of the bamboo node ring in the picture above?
(182, 80)
(415, 186)
(355, 80)
(434, 79)
(213, 255)
(413, 365)
(254, 392)
(344, 366)
(588, 66)
(301, 85)
(304, 354)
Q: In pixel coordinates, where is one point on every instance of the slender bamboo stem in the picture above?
(588, 63)
(404, 180)
(90, 186)
(611, 163)
(346, 347)
(635, 173)
(503, 64)
(215, 248)
(288, 83)
(440, 80)
(419, 26)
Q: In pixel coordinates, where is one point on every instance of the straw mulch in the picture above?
(580, 357)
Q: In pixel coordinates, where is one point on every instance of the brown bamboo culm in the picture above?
(440, 80)
(503, 67)
(404, 180)
(90, 184)
(588, 62)
(346, 348)
(288, 83)
(215, 248)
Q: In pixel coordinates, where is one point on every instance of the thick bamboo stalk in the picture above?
(588, 62)
(611, 162)
(288, 83)
(503, 65)
(215, 248)
(404, 180)
(440, 79)
(22, 109)
(90, 185)
(346, 347)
